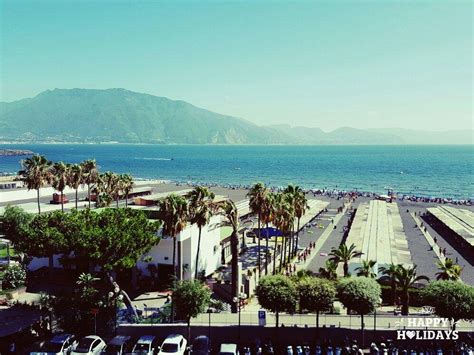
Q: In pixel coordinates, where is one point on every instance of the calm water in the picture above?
(421, 170)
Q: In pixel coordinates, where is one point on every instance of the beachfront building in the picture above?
(377, 231)
(456, 224)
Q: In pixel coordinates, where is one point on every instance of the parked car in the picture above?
(201, 345)
(228, 349)
(145, 345)
(173, 344)
(120, 344)
(91, 344)
(59, 344)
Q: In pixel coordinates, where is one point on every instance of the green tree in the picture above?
(277, 293)
(174, 213)
(59, 179)
(329, 272)
(451, 299)
(114, 239)
(343, 254)
(45, 236)
(229, 211)
(90, 176)
(268, 209)
(406, 277)
(125, 185)
(316, 295)
(367, 269)
(257, 198)
(35, 174)
(190, 298)
(389, 275)
(202, 207)
(359, 294)
(448, 270)
(75, 178)
(300, 204)
(14, 277)
(108, 188)
(284, 219)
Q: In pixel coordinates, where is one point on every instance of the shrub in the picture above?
(14, 277)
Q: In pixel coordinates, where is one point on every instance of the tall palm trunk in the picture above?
(197, 254)
(38, 197)
(283, 253)
(275, 254)
(76, 198)
(405, 302)
(258, 247)
(62, 201)
(290, 246)
(126, 200)
(174, 258)
(346, 269)
(266, 252)
(89, 194)
(234, 244)
(297, 237)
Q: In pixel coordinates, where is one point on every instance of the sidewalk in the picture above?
(428, 238)
(321, 240)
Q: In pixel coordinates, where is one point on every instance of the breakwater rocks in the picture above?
(14, 152)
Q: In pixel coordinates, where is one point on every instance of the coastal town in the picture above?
(229, 251)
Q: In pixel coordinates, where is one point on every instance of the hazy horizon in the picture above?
(315, 64)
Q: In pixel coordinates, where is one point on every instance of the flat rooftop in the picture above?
(377, 231)
(460, 221)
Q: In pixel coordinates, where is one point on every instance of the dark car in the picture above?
(201, 345)
(59, 344)
(121, 344)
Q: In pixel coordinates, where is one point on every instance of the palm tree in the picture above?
(344, 254)
(86, 280)
(406, 277)
(329, 271)
(229, 211)
(449, 270)
(107, 188)
(201, 205)
(35, 174)
(125, 185)
(60, 174)
(284, 219)
(268, 209)
(257, 196)
(301, 205)
(75, 177)
(388, 273)
(90, 176)
(367, 269)
(174, 212)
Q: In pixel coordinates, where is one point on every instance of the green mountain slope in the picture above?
(123, 116)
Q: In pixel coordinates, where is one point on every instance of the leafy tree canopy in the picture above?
(361, 294)
(316, 295)
(451, 299)
(277, 293)
(191, 298)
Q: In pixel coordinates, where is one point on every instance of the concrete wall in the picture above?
(209, 254)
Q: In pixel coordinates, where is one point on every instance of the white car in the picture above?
(59, 344)
(173, 344)
(145, 345)
(228, 349)
(91, 344)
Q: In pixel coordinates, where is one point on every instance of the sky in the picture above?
(327, 64)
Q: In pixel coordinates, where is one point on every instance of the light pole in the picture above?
(209, 311)
(238, 301)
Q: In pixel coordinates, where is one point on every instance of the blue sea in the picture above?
(432, 171)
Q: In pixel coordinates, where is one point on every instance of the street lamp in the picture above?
(238, 301)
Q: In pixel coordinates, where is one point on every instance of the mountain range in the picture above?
(118, 115)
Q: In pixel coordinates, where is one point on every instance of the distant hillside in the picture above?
(118, 115)
(124, 116)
